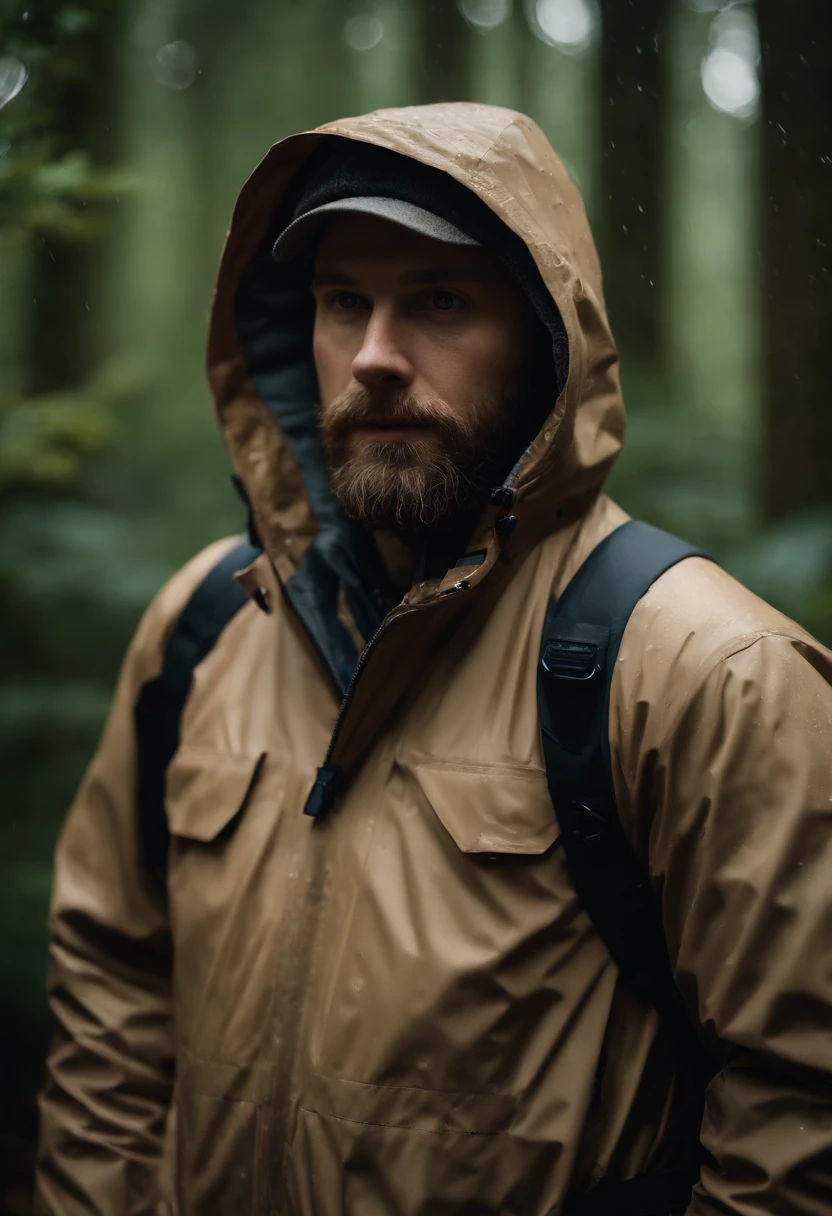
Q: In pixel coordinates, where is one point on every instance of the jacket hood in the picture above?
(260, 361)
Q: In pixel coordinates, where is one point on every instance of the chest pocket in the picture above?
(206, 793)
(442, 984)
(489, 810)
(217, 833)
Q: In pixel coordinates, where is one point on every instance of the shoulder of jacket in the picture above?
(167, 605)
(691, 637)
(696, 615)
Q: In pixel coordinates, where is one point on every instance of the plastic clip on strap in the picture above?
(566, 659)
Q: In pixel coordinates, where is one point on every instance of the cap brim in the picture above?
(302, 231)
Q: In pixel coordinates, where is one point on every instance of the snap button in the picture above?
(262, 599)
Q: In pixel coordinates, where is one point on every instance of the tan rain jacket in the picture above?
(366, 1015)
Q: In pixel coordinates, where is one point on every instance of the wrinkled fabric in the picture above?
(403, 1010)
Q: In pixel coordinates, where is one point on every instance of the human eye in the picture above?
(345, 301)
(445, 301)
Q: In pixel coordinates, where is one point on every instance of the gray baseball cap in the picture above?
(299, 235)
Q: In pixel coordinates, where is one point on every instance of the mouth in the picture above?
(390, 430)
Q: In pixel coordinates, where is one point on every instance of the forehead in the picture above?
(356, 244)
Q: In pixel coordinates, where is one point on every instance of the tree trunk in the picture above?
(64, 342)
(526, 49)
(797, 251)
(445, 49)
(634, 104)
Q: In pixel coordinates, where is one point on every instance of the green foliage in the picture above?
(61, 198)
(69, 593)
(49, 185)
(50, 188)
(686, 474)
(790, 564)
(692, 473)
(43, 439)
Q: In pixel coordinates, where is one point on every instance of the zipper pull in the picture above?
(324, 793)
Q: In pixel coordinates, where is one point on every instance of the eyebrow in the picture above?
(434, 274)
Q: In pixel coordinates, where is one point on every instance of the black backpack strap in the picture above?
(161, 700)
(661, 1194)
(579, 647)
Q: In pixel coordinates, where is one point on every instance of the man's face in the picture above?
(424, 354)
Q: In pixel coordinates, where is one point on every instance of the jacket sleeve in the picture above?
(741, 847)
(110, 1069)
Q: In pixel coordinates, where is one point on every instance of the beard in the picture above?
(435, 481)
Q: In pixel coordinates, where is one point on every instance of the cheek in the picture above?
(503, 347)
(333, 364)
(447, 365)
(467, 368)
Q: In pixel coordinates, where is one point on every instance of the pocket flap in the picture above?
(491, 809)
(204, 791)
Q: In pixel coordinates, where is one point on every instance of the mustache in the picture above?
(357, 406)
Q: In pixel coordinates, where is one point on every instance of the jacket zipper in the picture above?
(302, 932)
(326, 786)
(396, 614)
(327, 774)
(350, 691)
(325, 791)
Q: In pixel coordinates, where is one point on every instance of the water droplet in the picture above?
(13, 76)
(174, 65)
(363, 32)
(485, 15)
(567, 24)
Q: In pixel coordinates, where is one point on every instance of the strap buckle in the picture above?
(569, 659)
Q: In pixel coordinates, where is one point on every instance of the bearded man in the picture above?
(398, 1003)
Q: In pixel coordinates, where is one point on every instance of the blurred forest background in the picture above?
(699, 134)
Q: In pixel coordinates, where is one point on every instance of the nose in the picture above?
(381, 361)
